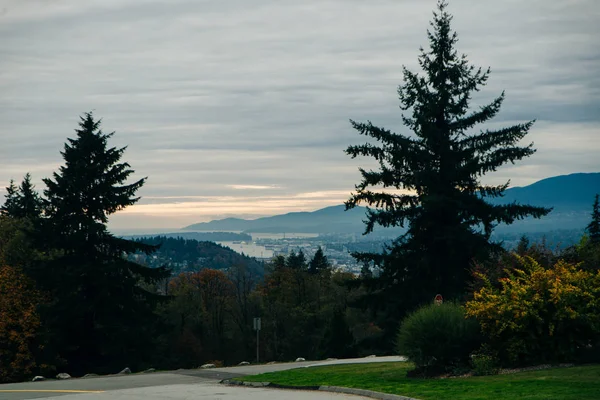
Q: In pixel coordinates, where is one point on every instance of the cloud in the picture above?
(252, 187)
(236, 98)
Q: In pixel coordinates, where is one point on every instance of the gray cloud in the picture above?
(209, 94)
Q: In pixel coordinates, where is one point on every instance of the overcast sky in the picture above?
(241, 107)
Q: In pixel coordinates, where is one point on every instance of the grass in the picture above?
(581, 383)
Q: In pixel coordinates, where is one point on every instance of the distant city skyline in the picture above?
(238, 108)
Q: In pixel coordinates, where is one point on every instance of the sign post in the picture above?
(257, 329)
(438, 299)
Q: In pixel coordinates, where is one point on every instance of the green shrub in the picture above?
(438, 337)
(484, 364)
(485, 361)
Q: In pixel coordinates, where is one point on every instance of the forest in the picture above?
(192, 255)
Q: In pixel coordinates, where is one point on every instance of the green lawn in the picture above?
(581, 383)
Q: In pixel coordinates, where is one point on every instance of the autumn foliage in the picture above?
(540, 314)
(19, 322)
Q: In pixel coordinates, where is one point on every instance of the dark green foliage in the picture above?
(338, 341)
(319, 262)
(299, 311)
(296, 260)
(523, 245)
(438, 337)
(192, 255)
(22, 201)
(485, 361)
(101, 315)
(9, 207)
(446, 210)
(593, 229)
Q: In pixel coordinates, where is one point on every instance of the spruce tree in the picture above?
(296, 260)
(102, 314)
(593, 229)
(430, 180)
(11, 198)
(30, 203)
(319, 262)
(22, 201)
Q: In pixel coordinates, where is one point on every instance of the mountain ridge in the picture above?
(571, 196)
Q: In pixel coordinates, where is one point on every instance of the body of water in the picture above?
(249, 249)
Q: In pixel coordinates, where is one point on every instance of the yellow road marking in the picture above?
(48, 391)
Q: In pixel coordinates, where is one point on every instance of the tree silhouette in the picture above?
(430, 180)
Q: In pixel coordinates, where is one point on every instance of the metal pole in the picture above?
(257, 342)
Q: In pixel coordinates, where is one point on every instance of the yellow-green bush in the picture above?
(540, 314)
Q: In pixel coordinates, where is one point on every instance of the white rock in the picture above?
(90, 375)
(272, 362)
(149, 370)
(38, 378)
(300, 359)
(371, 356)
(244, 363)
(125, 371)
(63, 375)
(331, 359)
(206, 366)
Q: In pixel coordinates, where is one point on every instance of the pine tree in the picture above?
(430, 179)
(22, 201)
(593, 229)
(319, 262)
(523, 245)
(10, 206)
(102, 313)
(296, 260)
(30, 203)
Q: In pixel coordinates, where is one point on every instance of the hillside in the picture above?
(192, 255)
(570, 195)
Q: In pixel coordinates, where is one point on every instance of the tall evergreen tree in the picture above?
(593, 229)
(296, 260)
(30, 203)
(319, 262)
(22, 201)
(430, 180)
(102, 313)
(11, 198)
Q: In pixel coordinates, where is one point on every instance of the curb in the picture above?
(333, 389)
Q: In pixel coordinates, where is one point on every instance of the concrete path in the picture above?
(261, 369)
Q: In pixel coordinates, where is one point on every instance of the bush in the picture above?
(485, 362)
(540, 314)
(438, 337)
(19, 324)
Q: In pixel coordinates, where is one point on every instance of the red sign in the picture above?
(438, 299)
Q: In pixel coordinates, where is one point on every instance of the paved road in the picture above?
(180, 384)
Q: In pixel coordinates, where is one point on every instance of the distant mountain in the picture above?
(564, 192)
(570, 195)
(326, 220)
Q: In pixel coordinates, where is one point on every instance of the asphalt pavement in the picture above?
(180, 384)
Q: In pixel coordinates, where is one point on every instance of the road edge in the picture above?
(334, 389)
